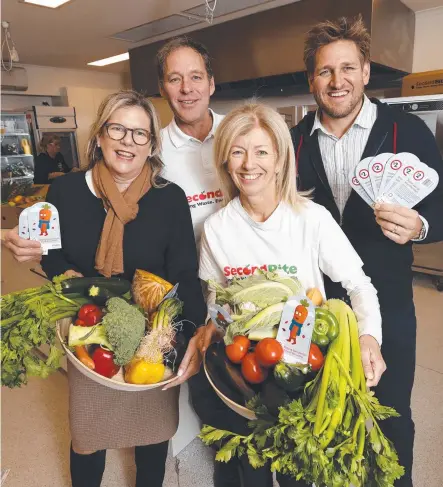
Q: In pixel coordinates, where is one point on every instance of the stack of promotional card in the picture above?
(40, 222)
(400, 179)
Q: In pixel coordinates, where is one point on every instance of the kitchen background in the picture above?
(54, 47)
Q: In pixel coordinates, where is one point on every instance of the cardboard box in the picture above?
(425, 83)
(10, 216)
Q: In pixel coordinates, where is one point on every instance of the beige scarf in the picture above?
(121, 208)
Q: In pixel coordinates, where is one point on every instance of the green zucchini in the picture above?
(291, 377)
(100, 294)
(81, 285)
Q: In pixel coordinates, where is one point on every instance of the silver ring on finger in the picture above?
(395, 230)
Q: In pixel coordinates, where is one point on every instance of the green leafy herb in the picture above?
(28, 321)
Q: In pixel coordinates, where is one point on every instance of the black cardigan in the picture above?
(387, 263)
(159, 240)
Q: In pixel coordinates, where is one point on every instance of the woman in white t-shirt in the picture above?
(266, 224)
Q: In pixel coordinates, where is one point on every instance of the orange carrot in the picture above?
(83, 356)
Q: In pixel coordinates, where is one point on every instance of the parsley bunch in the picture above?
(28, 321)
(322, 437)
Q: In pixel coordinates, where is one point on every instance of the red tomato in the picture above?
(251, 369)
(90, 314)
(316, 358)
(79, 323)
(269, 352)
(237, 350)
(104, 362)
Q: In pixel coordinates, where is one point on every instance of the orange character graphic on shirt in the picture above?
(300, 315)
(44, 217)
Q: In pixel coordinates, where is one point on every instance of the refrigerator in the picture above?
(428, 258)
(17, 156)
(60, 121)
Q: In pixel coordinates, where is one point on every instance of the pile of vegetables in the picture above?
(134, 342)
(120, 339)
(312, 426)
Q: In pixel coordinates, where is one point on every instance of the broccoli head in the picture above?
(125, 327)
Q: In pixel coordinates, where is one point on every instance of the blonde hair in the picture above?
(124, 99)
(241, 121)
(342, 29)
(48, 139)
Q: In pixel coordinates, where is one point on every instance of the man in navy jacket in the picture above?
(329, 143)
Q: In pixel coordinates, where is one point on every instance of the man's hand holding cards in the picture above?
(393, 184)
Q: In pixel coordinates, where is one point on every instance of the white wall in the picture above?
(428, 46)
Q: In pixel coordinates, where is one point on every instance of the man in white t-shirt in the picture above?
(187, 83)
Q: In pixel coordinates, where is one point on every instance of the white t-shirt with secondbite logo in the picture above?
(304, 244)
(189, 164)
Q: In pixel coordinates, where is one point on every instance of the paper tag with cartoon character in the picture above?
(295, 329)
(220, 317)
(23, 224)
(44, 226)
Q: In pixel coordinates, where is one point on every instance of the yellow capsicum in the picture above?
(141, 371)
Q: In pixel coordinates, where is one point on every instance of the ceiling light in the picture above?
(47, 3)
(111, 60)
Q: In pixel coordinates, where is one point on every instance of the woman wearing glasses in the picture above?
(117, 217)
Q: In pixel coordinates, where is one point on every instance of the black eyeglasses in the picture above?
(118, 132)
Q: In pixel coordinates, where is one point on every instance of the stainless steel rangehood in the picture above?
(263, 53)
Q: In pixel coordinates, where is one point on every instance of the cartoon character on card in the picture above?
(300, 315)
(44, 219)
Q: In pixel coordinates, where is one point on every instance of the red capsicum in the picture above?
(104, 362)
(90, 315)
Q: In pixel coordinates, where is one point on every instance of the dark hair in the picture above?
(123, 99)
(342, 29)
(177, 43)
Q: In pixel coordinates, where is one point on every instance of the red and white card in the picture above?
(400, 179)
